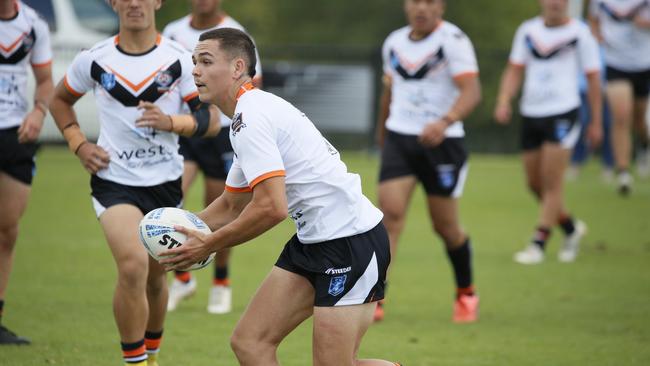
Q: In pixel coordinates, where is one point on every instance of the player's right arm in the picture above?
(69, 90)
(511, 78)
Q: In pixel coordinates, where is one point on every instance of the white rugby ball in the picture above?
(157, 232)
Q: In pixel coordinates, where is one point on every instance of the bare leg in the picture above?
(13, 201)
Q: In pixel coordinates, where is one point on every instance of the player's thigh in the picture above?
(190, 171)
(640, 114)
(338, 331)
(394, 196)
(120, 226)
(555, 159)
(14, 195)
(283, 301)
(620, 96)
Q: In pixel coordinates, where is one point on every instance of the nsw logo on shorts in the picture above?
(337, 285)
(446, 175)
(108, 81)
(562, 128)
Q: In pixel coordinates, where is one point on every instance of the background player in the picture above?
(623, 27)
(334, 266)
(552, 49)
(212, 156)
(430, 84)
(25, 40)
(139, 79)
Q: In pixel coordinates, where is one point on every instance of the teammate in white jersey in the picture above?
(212, 156)
(430, 84)
(141, 82)
(623, 27)
(24, 42)
(334, 267)
(552, 50)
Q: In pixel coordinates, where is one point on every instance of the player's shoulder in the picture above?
(398, 35)
(101, 47)
(31, 15)
(230, 22)
(450, 32)
(534, 22)
(176, 26)
(173, 47)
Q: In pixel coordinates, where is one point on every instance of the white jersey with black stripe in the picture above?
(422, 74)
(270, 138)
(181, 31)
(120, 80)
(24, 41)
(553, 58)
(627, 47)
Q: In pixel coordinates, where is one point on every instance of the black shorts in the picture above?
(441, 169)
(345, 271)
(563, 129)
(16, 159)
(212, 154)
(640, 80)
(106, 194)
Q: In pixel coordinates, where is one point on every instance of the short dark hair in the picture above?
(234, 42)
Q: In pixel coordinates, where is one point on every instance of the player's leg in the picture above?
(337, 335)
(13, 201)
(130, 306)
(157, 300)
(283, 301)
(642, 133)
(620, 97)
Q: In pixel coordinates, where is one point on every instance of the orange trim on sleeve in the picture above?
(71, 89)
(238, 189)
(465, 75)
(44, 64)
(191, 96)
(265, 176)
(516, 64)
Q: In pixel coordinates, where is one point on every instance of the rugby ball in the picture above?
(157, 232)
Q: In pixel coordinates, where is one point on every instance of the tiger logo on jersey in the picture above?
(237, 124)
(164, 79)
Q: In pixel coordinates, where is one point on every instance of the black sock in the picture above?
(461, 261)
(541, 236)
(567, 224)
(220, 273)
(2, 306)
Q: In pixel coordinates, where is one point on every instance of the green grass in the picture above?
(593, 312)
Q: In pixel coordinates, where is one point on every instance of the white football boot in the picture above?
(569, 250)
(532, 254)
(220, 300)
(179, 291)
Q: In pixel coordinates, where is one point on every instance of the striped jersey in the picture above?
(627, 47)
(181, 31)
(553, 57)
(120, 80)
(24, 41)
(270, 138)
(422, 74)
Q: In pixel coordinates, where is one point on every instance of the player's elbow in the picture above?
(276, 214)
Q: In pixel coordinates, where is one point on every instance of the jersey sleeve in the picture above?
(588, 52)
(186, 84)
(236, 181)
(42, 52)
(254, 140)
(77, 79)
(461, 55)
(518, 52)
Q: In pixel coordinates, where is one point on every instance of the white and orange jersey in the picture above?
(24, 41)
(181, 31)
(422, 74)
(120, 80)
(270, 138)
(553, 57)
(627, 47)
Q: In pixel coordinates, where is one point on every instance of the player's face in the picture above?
(214, 71)
(206, 7)
(136, 15)
(554, 9)
(424, 15)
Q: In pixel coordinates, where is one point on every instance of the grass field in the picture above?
(593, 312)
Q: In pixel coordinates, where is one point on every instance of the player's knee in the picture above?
(132, 274)
(8, 235)
(247, 346)
(452, 235)
(534, 188)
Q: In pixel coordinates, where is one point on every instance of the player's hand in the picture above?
(194, 249)
(31, 126)
(153, 117)
(93, 157)
(594, 134)
(503, 113)
(433, 134)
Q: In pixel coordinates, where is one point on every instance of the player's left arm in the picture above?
(33, 122)
(267, 208)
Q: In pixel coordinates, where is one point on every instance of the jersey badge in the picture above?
(108, 81)
(164, 79)
(237, 124)
(28, 42)
(446, 175)
(337, 285)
